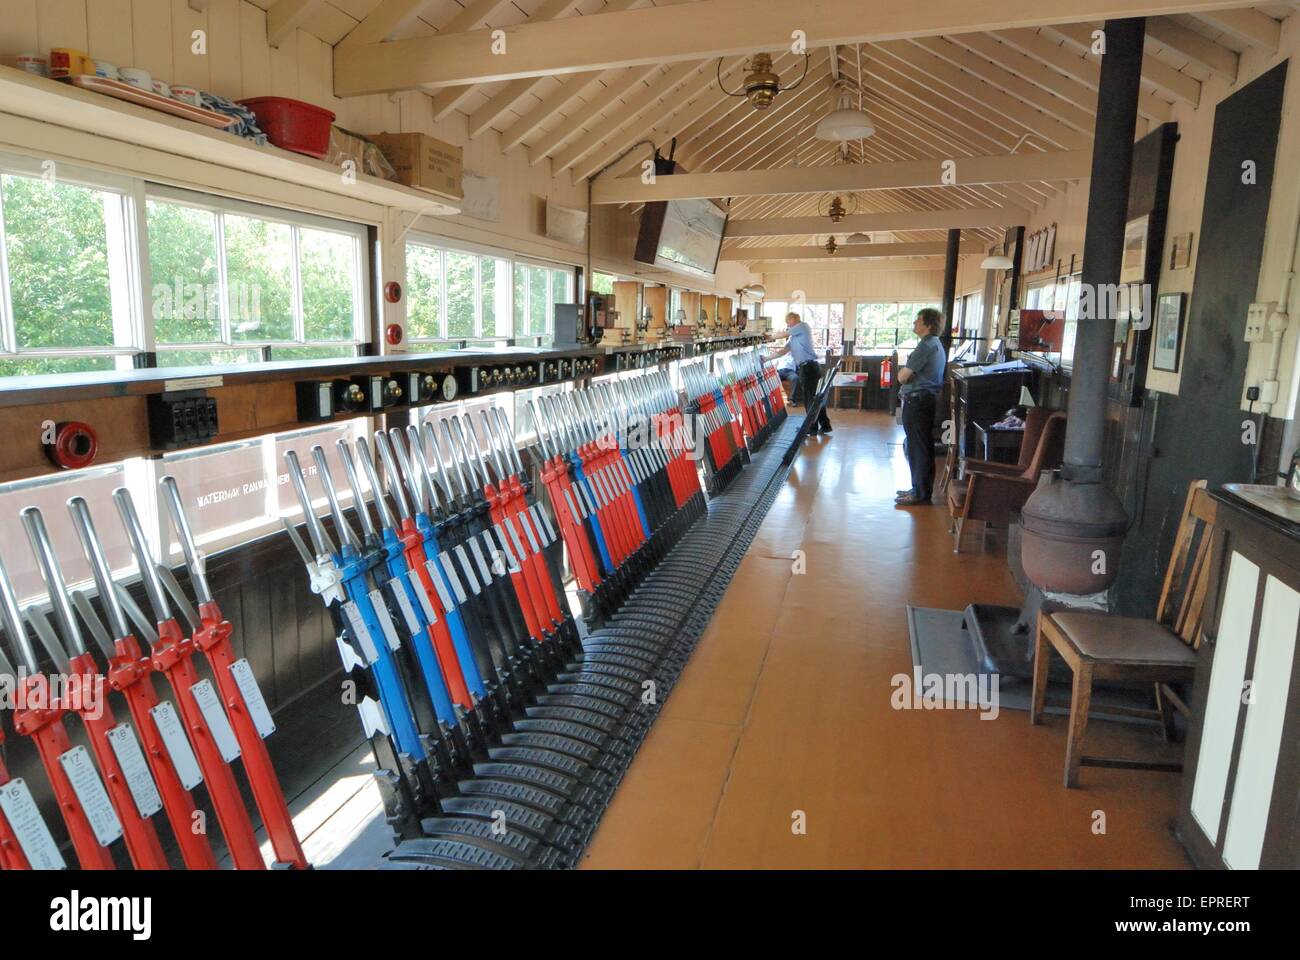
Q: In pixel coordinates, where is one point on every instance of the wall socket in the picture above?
(1257, 321)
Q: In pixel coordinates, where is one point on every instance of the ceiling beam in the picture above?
(938, 72)
(603, 128)
(501, 101)
(703, 30)
(1196, 47)
(385, 20)
(474, 14)
(286, 16)
(1248, 26)
(1017, 168)
(1155, 71)
(622, 83)
(848, 251)
(871, 222)
(835, 265)
(1018, 86)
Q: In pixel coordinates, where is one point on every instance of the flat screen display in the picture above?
(691, 238)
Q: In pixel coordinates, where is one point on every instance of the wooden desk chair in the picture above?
(990, 492)
(950, 437)
(1099, 646)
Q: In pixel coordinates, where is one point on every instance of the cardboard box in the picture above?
(422, 161)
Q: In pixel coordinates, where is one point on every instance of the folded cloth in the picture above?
(246, 121)
(1010, 422)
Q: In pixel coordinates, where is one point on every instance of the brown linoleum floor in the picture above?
(785, 706)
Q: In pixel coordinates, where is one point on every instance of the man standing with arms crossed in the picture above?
(921, 380)
(806, 368)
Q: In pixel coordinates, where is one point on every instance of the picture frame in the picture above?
(1180, 251)
(1167, 343)
(1134, 266)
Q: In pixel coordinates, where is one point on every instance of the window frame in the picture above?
(482, 253)
(297, 221)
(129, 326)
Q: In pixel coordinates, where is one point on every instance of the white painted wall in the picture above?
(157, 35)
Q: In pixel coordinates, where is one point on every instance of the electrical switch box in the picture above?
(1257, 321)
(183, 418)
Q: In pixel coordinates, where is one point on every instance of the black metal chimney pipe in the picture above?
(950, 285)
(1073, 525)
(1103, 244)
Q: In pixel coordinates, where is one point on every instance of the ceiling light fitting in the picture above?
(761, 83)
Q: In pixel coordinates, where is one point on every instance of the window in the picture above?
(458, 295)
(67, 287)
(602, 283)
(884, 325)
(235, 283)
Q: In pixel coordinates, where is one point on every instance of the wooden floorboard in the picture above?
(784, 707)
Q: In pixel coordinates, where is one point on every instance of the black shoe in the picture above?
(826, 429)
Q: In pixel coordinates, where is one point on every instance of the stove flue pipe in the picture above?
(1073, 524)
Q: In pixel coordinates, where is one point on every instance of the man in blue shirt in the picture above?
(921, 379)
(800, 348)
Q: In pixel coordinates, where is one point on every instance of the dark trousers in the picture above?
(809, 374)
(918, 442)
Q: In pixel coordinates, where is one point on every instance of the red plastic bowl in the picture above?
(293, 124)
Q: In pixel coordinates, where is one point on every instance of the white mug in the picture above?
(106, 70)
(33, 63)
(140, 79)
(188, 95)
(162, 89)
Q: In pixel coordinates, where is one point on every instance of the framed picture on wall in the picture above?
(1134, 267)
(1169, 331)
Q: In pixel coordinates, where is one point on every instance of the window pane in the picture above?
(57, 241)
(34, 366)
(460, 294)
(538, 295)
(602, 283)
(488, 295)
(50, 495)
(207, 358)
(259, 258)
(183, 266)
(313, 353)
(521, 299)
(301, 443)
(561, 284)
(329, 268)
(223, 488)
(423, 291)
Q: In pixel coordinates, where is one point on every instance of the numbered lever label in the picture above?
(29, 826)
(138, 779)
(385, 620)
(360, 632)
(254, 702)
(205, 695)
(404, 602)
(90, 792)
(439, 586)
(178, 745)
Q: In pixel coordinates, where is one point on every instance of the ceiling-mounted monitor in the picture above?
(681, 235)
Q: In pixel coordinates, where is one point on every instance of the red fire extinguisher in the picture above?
(886, 373)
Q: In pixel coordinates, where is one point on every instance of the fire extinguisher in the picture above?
(886, 373)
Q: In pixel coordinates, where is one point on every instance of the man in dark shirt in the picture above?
(921, 379)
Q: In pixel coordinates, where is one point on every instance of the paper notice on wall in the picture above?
(482, 196)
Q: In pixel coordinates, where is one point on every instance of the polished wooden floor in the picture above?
(785, 707)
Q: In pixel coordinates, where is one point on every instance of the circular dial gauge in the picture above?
(449, 388)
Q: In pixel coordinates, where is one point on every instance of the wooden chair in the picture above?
(990, 491)
(1099, 646)
(950, 454)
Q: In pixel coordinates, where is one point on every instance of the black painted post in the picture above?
(950, 285)
(1103, 245)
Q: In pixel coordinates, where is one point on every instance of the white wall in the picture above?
(157, 35)
(1068, 210)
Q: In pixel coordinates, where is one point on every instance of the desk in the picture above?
(999, 444)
